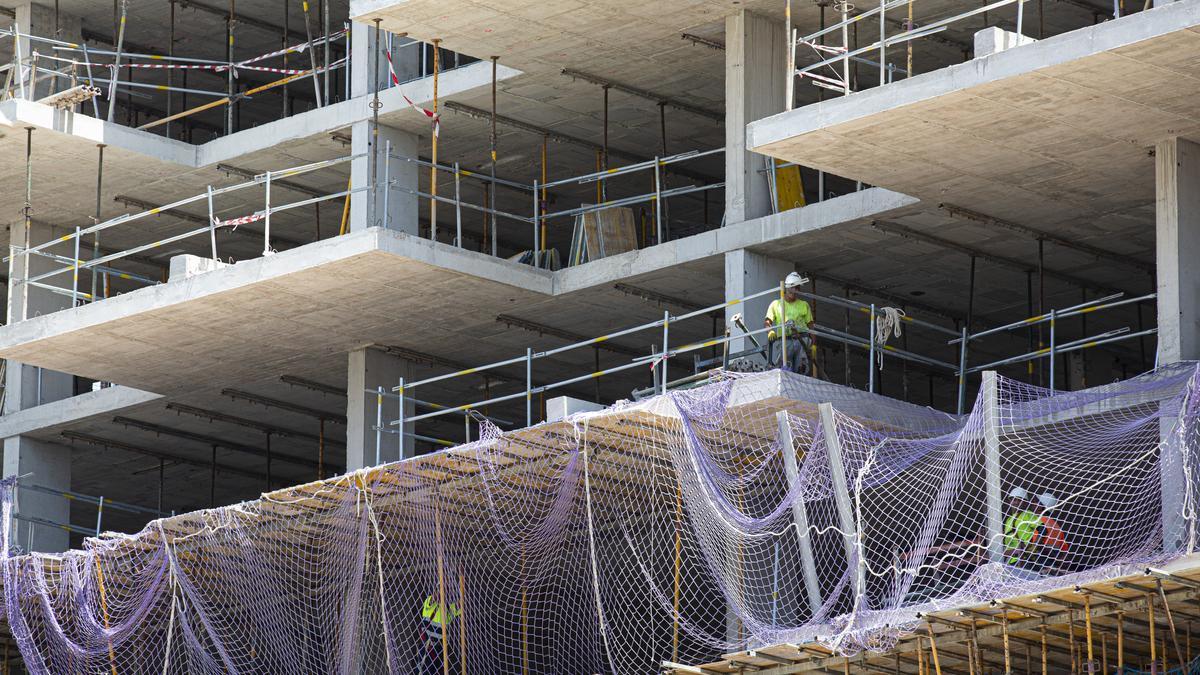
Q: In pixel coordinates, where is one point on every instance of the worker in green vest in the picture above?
(794, 313)
(1020, 527)
(432, 634)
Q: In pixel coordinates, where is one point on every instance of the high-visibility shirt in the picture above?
(1050, 535)
(797, 311)
(432, 612)
(1019, 530)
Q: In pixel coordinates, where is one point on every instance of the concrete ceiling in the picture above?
(1056, 135)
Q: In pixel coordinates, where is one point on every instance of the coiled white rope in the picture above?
(888, 322)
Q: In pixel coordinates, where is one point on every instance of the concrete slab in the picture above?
(1055, 132)
(256, 319)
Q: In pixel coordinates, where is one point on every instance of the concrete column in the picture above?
(27, 386)
(745, 273)
(1177, 232)
(406, 59)
(46, 465)
(1177, 244)
(401, 206)
(39, 19)
(754, 89)
(370, 369)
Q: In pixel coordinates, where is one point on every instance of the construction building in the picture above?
(427, 336)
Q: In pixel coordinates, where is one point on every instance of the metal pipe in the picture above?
(387, 180)
(379, 418)
(457, 207)
(267, 216)
(212, 224)
(666, 348)
(1052, 349)
(962, 370)
(537, 219)
(99, 184)
(1074, 310)
(1075, 345)
(492, 141)
(871, 359)
(528, 386)
(658, 197)
(373, 211)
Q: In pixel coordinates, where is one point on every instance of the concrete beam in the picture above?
(90, 405)
(1011, 263)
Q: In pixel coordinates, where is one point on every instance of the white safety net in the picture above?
(754, 510)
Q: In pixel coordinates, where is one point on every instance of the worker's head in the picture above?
(1047, 500)
(791, 286)
(1018, 498)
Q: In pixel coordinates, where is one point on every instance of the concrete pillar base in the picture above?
(745, 273)
(370, 369)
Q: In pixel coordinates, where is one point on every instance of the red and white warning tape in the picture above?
(436, 117)
(234, 222)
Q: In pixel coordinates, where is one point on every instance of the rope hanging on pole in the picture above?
(887, 323)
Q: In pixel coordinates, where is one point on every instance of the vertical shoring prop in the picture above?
(908, 71)
(1045, 660)
(492, 140)
(678, 566)
(230, 19)
(170, 73)
(789, 58)
(1007, 648)
(112, 656)
(99, 184)
(28, 220)
(1153, 641)
(116, 66)
(783, 362)
(328, 47)
(462, 613)
(374, 178)
(441, 563)
(604, 148)
(541, 242)
(284, 45)
(312, 54)
(1087, 626)
(1171, 624)
(1120, 642)
(933, 655)
(433, 176)
(1071, 639)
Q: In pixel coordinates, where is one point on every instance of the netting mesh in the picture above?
(754, 510)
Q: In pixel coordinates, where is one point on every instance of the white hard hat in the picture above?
(1019, 493)
(794, 280)
(1047, 500)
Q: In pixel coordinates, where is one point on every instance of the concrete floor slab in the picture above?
(1043, 134)
(250, 320)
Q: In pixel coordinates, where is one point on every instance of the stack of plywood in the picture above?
(602, 233)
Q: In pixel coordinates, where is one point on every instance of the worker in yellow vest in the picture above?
(795, 310)
(434, 622)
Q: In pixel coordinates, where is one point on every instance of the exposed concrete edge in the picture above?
(277, 266)
(360, 9)
(19, 113)
(748, 234)
(1053, 51)
(49, 417)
